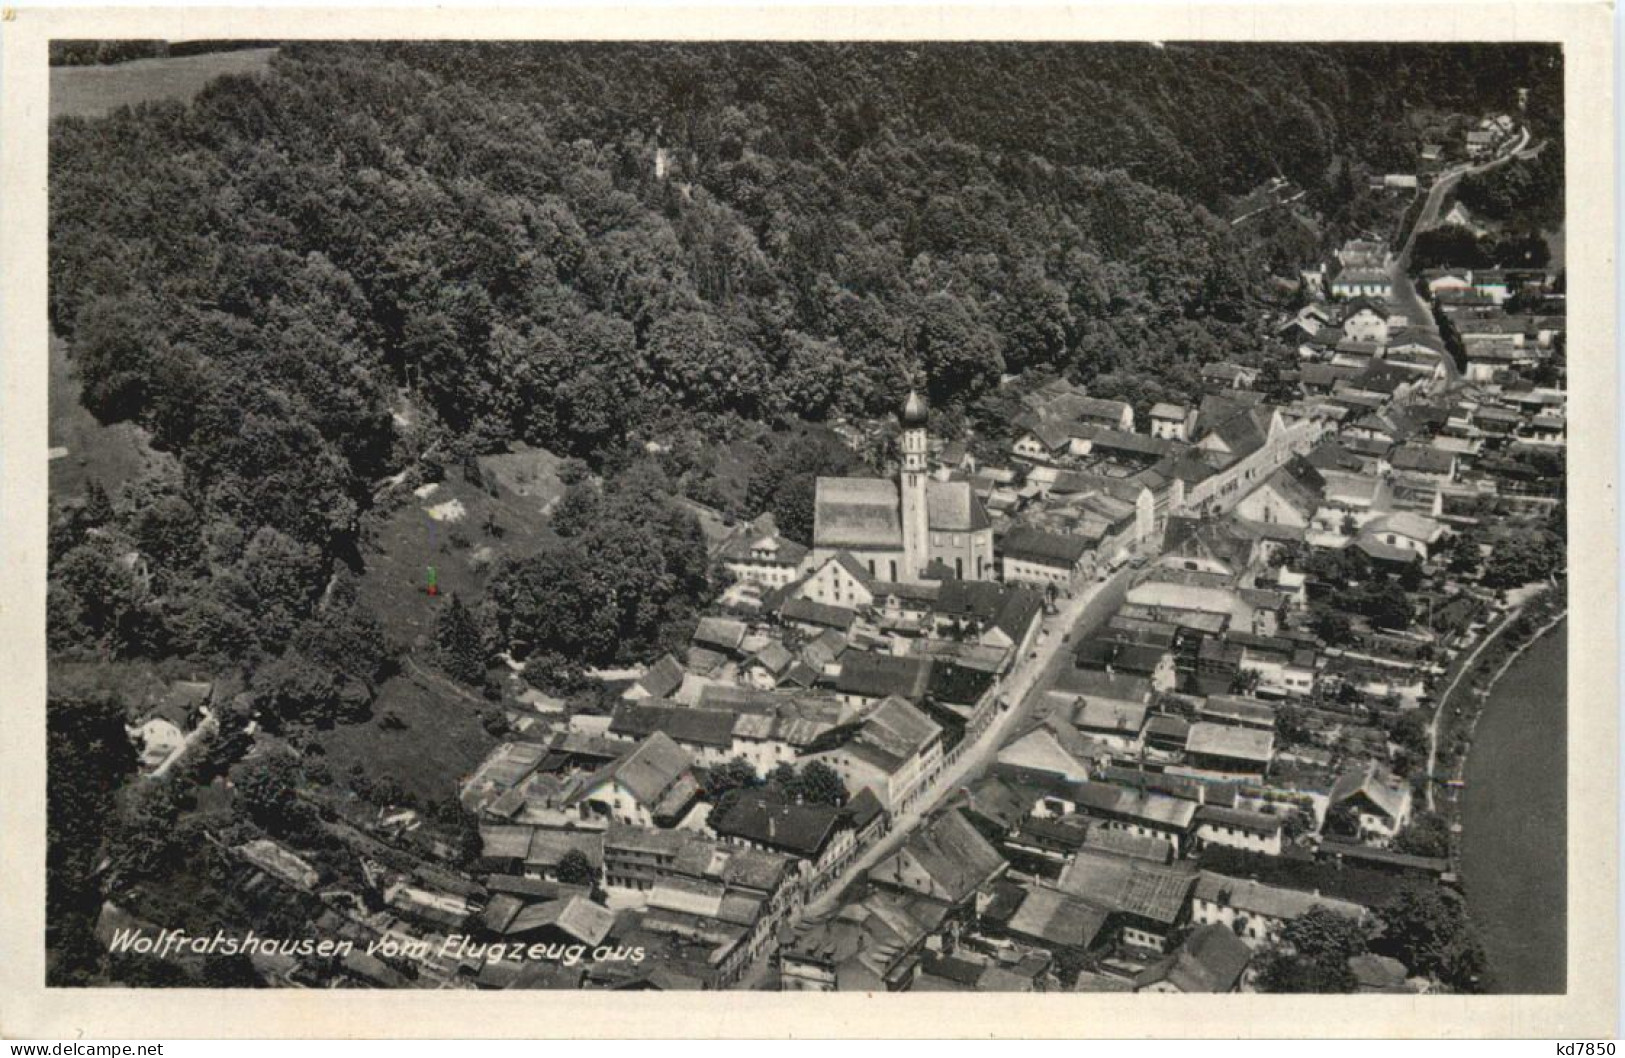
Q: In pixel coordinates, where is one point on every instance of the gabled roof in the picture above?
(1423, 458)
(1017, 613)
(577, 916)
(1405, 523)
(1233, 743)
(1269, 901)
(1057, 919)
(1094, 683)
(1213, 539)
(892, 734)
(953, 507)
(761, 535)
(1041, 546)
(1252, 822)
(1385, 791)
(719, 633)
(857, 512)
(1211, 959)
(807, 611)
(648, 771)
(663, 678)
(1142, 806)
(775, 657)
(1128, 885)
(1107, 715)
(767, 819)
(953, 855)
(704, 727)
(882, 675)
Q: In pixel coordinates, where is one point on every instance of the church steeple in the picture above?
(916, 521)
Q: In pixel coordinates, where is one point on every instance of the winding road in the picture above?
(1403, 292)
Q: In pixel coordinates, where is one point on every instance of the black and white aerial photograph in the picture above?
(906, 516)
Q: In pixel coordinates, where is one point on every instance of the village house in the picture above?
(1050, 920)
(1448, 280)
(163, 727)
(1255, 911)
(1424, 463)
(1239, 829)
(1208, 545)
(1287, 498)
(1144, 660)
(1036, 556)
(706, 734)
(1381, 800)
(839, 580)
(1360, 282)
(1210, 959)
(1231, 750)
(1170, 422)
(759, 554)
(1406, 530)
(867, 677)
(1145, 902)
(1365, 320)
(872, 945)
(653, 784)
(1282, 668)
(995, 615)
(945, 860)
(663, 679)
(897, 530)
(892, 752)
(1116, 723)
(1229, 376)
(822, 835)
(1141, 813)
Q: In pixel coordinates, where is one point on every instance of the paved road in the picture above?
(1079, 616)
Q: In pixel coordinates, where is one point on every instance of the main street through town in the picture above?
(1074, 620)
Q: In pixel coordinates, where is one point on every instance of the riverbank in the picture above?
(1534, 609)
(1513, 840)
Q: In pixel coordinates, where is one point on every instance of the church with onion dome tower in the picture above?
(917, 528)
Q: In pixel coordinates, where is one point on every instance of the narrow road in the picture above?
(1403, 288)
(1444, 699)
(1033, 675)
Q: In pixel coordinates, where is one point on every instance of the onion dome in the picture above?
(914, 411)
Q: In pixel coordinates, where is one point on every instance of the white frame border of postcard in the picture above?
(1588, 1008)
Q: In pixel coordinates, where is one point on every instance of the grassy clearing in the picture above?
(92, 91)
(441, 743)
(111, 455)
(409, 541)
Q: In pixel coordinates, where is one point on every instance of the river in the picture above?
(1515, 821)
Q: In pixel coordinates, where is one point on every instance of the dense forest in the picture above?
(592, 247)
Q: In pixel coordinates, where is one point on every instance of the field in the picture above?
(410, 541)
(442, 740)
(441, 743)
(92, 91)
(108, 454)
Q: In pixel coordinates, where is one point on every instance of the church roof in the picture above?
(952, 507)
(867, 512)
(857, 512)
